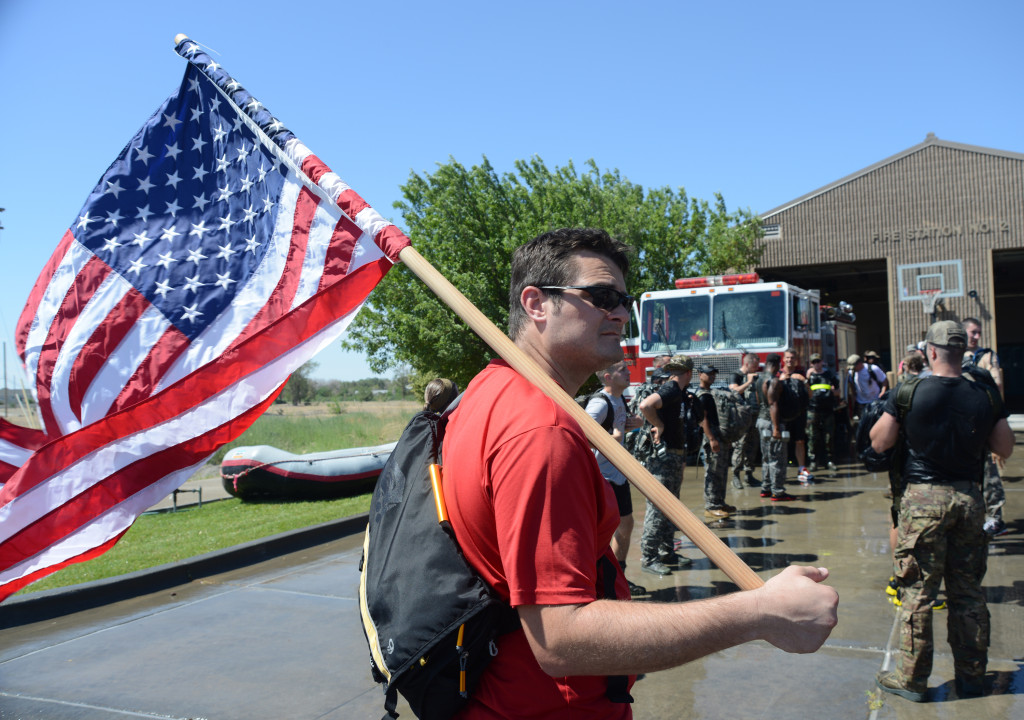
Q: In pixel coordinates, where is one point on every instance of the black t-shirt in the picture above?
(822, 398)
(670, 412)
(707, 403)
(947, 429)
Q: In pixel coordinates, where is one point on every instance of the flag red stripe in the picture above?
(280, 300)
(103, 341)
(14, 586)
(220, 374)
(146, 376)
(339, 253)
(93, 502)
(26, 437)
(352, 203)
(38, 290)
(88, 280)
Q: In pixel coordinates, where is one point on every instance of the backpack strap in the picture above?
(618, 685)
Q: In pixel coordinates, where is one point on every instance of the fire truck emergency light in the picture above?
(717, 280)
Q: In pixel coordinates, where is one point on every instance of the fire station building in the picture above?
(935, 232)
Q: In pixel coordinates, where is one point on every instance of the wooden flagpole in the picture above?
(708, 543)
(669, 504)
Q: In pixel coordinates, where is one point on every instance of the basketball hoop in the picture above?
(929, 298)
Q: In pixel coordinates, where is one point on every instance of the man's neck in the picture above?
(611, 391)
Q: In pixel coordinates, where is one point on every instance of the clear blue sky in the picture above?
(762, 102)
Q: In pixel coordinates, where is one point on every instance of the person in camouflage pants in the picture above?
(946, 432)
(941, 536)
(659, 532)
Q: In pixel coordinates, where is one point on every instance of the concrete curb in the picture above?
(49, 604)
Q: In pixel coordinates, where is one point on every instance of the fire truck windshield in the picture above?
(725, 321)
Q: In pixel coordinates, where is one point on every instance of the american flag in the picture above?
(215, 256)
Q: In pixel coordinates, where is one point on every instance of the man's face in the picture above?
(579, 335)
(973, 336)
(858, 366)
(750, 363)
(618, 379)
(816, 365)
(789, 361)
(706, 379)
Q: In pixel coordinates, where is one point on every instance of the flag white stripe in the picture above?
(49, 304)
(121, 364)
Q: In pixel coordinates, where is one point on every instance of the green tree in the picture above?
(301, 387)
(468, 221)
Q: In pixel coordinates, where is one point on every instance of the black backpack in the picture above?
(609, 417)
(792, 400)
(421, 624)
(735, 414)
(431, 622)
(640, 442)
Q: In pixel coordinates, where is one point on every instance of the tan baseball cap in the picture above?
(947, 333)
(679, 363)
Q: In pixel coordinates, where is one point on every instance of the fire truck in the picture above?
(717, 319)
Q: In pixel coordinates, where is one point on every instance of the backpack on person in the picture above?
(735, 414)
(609, 417)
(431, 622)
(640, 442)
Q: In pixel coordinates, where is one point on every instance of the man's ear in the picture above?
(532, 300)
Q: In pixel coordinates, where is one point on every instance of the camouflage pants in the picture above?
(774, 456)
(821, 428)
(659, 532)
(744, 452)
(716, 471)
(995, 496)
(941, 537)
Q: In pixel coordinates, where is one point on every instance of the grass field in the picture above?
(159, 538)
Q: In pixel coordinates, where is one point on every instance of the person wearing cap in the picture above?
(866, 383)
(948, 431)
(744, 452)
(665, 410)
(716, 451)
(821, 413)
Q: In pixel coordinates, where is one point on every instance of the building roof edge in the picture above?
(929, 141)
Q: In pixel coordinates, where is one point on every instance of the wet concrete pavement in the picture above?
(281, 638)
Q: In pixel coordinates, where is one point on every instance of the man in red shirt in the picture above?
(534, 516)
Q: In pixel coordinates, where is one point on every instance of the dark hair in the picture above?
(773, 359)
(550, 259)
(439, 394)
(972, 321)
(914, 363)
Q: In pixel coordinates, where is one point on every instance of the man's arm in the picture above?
(884, 433)
(649, 407)
(742, 388)
(772, 390)
(1001, 439)
(884, 386)
(607, 637)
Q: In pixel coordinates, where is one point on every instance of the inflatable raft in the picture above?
(262, 471)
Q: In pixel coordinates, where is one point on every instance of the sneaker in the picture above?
(805, 477)
(634, 589)
(813, 466)
(783, 497)
(669, 559)
(994, 527)
(893, 587)
(831, 466)
(766, 493)
(752, 481)
(655, 568)
(888, 683)
(716, 514)
(728, 508)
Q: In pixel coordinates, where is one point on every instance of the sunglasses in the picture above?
(605, 298)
